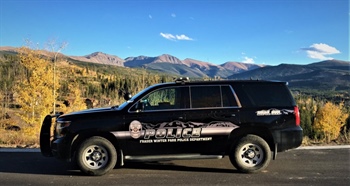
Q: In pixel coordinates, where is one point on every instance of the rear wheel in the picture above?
(250, 154)
(96, 156)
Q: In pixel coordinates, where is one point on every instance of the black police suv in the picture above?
(247, 120)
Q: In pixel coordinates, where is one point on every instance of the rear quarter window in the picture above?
(264, 95)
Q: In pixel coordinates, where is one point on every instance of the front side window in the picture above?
(164, 99)
(161, 99)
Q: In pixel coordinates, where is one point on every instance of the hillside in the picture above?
(331, 75)
(240, 67)
(100, 58)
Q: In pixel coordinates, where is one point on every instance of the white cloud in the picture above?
(320, 51)
(168, 36)
(248, 60)
(175, 37)
(173, 15)
(183, 37)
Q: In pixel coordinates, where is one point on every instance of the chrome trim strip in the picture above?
(184, 109)
(172, 157)
(122, 134)
(217, 131)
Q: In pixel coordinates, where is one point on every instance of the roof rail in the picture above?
(182, 79)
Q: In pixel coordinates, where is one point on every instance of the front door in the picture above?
(155, 123)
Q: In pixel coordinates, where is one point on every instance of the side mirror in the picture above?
(127, 96)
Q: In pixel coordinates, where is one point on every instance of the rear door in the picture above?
(215, 111)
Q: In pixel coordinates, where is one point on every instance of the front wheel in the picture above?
(96, 156)
(250, 154)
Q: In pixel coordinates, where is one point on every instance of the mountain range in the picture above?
(170, 65)
(328, 74)
(325, 75)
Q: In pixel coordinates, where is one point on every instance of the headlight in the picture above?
(61, 128)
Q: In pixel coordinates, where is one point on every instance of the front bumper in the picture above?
(60, 149)
(45, 135)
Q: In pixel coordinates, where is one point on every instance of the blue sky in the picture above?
(253, 31)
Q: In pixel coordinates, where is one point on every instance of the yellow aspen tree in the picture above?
(329, 120)
(77, 102)
(35, 90)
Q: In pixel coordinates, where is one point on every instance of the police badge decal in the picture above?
(135, 129)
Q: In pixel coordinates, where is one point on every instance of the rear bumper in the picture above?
(289, 138)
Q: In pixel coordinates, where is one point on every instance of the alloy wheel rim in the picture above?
(95, 157)
(251, 155)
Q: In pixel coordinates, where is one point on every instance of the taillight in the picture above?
(297, 116)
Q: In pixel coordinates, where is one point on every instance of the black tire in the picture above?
(250, 154)
(96, 156)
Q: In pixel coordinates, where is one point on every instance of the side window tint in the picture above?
(163, 99)
(228, 99)
(160, 99)
(264, 95)
(205, 96)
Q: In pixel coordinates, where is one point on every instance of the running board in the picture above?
(172, 157)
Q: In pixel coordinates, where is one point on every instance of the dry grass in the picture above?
(343, 139)
(17, 139)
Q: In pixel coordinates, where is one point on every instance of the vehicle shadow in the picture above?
(35, 163)
(169, 165)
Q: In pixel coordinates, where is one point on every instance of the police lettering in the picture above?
(171, 133)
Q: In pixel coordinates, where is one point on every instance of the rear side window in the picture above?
(205, 96)
(264, 95)
(212, 96)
